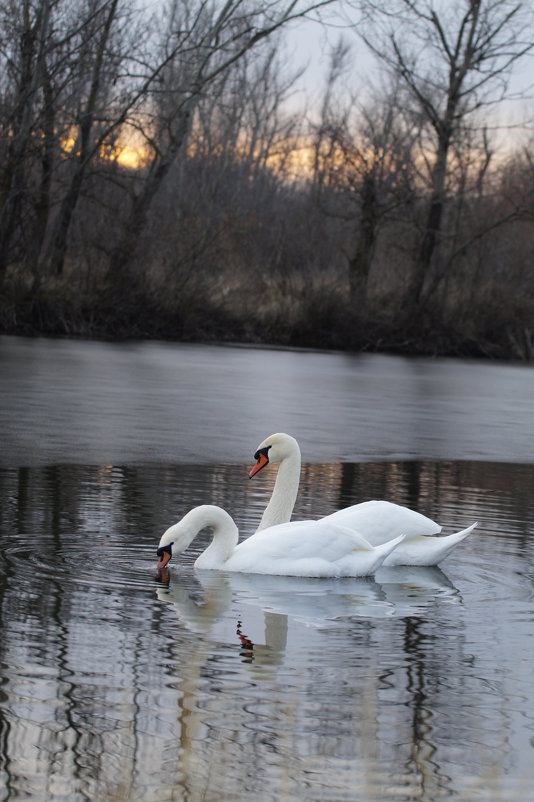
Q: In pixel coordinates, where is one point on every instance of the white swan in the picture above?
(306, 548)
(377, 521)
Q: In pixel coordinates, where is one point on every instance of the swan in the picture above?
(377, 521)
(305, 548)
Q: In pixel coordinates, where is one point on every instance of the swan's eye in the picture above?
(262, 452)
(165, 550)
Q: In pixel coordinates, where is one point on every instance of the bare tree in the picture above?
(455, 59)
(205, 41)
(97, 92)
(23, 51)
(83, 139)
(66, 91)
(363, 170)
(226, 181)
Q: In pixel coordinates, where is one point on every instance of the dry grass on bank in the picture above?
(305, 316)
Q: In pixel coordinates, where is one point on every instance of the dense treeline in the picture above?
(155, 179)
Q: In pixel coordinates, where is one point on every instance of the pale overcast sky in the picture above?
(308, 43)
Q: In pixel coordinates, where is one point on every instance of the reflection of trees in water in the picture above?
(449, 492)
(140, 502)
(73, 648)
(403, 483)
(68, 735)
(423, 687)
(6, 773)
(120, 692)
(76, 721)
(332, 717)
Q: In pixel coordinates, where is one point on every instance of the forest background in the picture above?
(162, 175)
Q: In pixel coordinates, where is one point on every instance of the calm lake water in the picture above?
(117, 684)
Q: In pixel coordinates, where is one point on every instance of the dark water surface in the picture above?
(96, 403)
(416, 684)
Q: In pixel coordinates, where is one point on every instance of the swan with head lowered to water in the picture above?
(306, 548)
(377, 521)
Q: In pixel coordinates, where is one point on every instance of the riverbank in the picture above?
(325, 325)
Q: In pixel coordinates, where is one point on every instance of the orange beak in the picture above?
(263, 460)
(164, 555)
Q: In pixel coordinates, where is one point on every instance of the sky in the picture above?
(308, 45)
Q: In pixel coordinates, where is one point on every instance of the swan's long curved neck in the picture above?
(225, 534)
(225, 538)
(280, 507)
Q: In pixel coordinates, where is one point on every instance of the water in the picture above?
(95, 403)
(116, 684)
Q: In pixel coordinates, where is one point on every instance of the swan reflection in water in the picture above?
(267, 614)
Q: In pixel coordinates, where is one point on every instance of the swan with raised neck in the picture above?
(283, 450)
(377, 521)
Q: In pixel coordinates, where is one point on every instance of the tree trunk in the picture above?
(432, 229)
(360, 264)
(11, 191)
(68, 205)
(126, 250)
(54, 257)
(36, 237)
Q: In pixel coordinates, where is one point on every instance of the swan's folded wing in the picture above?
(380, 521)
(302, 540)
(314, 548)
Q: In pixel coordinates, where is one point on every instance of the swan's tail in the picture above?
(461, 535)
(465, 532)
(425, 550)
